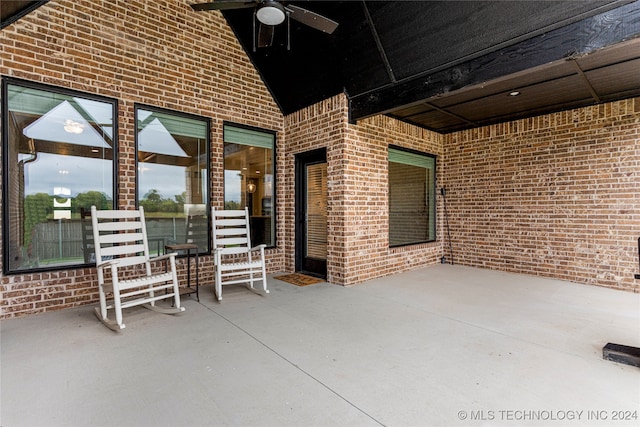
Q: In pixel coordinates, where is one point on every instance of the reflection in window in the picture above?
(172, 152)
(411, 198)
(58, 162)
(249, 178)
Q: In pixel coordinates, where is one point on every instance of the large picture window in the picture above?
(412, 201)
(58, 151)
(249, 178)
(173, 171)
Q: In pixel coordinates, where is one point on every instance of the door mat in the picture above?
(299, 279)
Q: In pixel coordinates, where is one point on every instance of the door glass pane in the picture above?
(316, 232)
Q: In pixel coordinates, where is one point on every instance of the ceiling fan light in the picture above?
(271, 13)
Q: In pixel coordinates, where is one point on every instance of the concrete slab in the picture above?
(444, 345)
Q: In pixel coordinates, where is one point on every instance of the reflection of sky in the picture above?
(77, 174)
(155, 138)
(232, 186)
(167, 179)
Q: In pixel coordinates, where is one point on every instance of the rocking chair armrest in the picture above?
(222, 251)
(162, 257)
(107, 263)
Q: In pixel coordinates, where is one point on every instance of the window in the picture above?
(412, 202)
(173, 171)
(249, 178)
(58, 151)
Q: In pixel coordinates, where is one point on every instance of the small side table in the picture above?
(187, 247)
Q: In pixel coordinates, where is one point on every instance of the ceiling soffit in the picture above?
(589, 61)
(404, 59)
(446, 66)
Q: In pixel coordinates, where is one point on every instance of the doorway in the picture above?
(311, 213)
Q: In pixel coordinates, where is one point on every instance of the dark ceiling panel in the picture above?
(387, 55)
(12, 10)
(313, 68)
(297, 77)
(616, 79)
(9, 8)
(423, 36)
(574, 40)
(362, 66)
(554, 93)
(554, 70)
(435, 119)
(420, 108)
(618, 53)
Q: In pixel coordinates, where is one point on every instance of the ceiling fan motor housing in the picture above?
(270, 13)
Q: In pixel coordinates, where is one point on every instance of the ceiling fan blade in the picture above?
(265, 35)
(224, 5)
(312, 19)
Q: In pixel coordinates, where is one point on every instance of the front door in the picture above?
(311, 213)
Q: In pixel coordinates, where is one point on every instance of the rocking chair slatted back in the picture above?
(124, 239)
(234, 258)
(120, 240)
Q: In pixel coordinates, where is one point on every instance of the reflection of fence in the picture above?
(61, 240)
(56, 240)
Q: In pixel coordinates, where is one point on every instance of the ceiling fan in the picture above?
(269, 14)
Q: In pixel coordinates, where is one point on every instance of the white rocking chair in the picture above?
(235, 260)
(121, 246)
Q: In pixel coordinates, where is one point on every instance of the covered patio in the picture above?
(442, 345)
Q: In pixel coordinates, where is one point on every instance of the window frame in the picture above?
(179, 114)
(12, 81)
(274, 198)
(432, 209)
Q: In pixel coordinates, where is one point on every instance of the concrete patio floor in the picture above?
(440, 346)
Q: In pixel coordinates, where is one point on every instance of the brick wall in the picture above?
(358, 206)
(366, 210)
(323, 125)
(158, 53)
(555, 195)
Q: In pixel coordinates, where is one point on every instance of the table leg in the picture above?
(197, 275)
